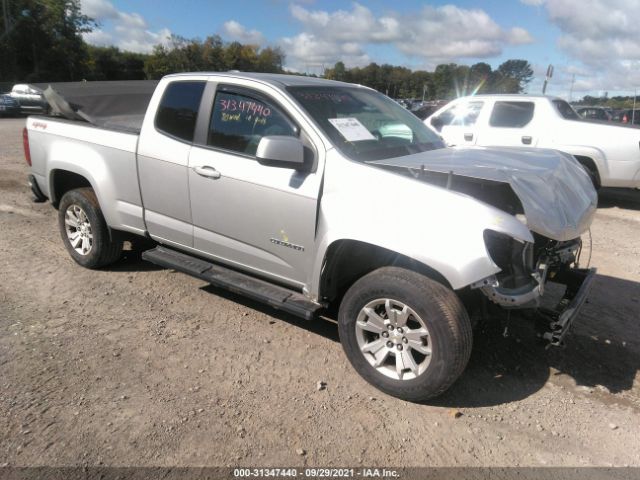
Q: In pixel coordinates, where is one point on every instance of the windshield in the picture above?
(364, 124)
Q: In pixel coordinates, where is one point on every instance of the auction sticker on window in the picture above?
(351, 129)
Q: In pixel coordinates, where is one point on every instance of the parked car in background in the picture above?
(9, 106)
(595, 113)
(424, 111)
(31, 99)
(629, 116)
(608, 151)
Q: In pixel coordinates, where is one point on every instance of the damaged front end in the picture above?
(525, 269)
(550, 193)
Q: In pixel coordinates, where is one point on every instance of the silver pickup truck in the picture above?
(323, 198)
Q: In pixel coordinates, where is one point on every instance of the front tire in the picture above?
(84, 230)
(405, 333)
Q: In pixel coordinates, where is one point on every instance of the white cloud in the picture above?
(233, 30)
(98, 37)
(519, 36)
(99, 10)
(307, 53)
(433, 34)
(601, 38)
(128, 31)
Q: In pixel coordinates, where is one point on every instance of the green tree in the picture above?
(479, 77)
(443, 79)
(270, 60)
(338, 72)
(43, 41)
(110, 63)
(515, 75)
(183, 55)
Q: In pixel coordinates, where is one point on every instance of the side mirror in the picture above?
(436, 122)
(280, 151)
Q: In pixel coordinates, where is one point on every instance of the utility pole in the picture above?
(547, 78)
(424, 91)
(573, 80)
(633, 112)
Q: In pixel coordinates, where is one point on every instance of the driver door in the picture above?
(252, 216)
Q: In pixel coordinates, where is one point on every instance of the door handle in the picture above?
(468, 137)
(207, 171)
(526, 140)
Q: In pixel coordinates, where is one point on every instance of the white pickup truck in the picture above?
(319, 198)
(609, 152)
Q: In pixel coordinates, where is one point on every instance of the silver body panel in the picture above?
(106, 159)
(274, 222)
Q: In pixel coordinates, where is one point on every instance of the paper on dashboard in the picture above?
(351, 129)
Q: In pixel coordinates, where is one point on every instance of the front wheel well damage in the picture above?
(348, 260)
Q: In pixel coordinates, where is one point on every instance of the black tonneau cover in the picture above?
(118, 105)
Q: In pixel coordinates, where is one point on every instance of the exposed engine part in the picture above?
(519, 284)
(526, 296)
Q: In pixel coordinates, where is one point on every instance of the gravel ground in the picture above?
(135, 365)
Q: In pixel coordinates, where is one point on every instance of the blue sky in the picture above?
(597, 41)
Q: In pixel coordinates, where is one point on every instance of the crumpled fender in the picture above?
(440, 228)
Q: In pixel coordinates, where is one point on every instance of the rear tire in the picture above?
(84, 230)
(434, 345)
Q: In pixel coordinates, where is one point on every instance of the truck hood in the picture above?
(556, 194)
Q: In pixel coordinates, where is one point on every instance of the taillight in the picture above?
(25, 144)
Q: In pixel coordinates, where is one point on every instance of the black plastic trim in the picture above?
(579, 283)
(35, 188)
(277, 297)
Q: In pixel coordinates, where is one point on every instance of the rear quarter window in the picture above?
(565, 110)
(511, 114)
(178, 109)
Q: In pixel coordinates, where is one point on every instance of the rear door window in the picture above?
(565, 110)
(511, 114)
(178, 109)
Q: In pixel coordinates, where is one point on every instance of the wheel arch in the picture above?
(62, 180)
(347, 260)
(590, 164)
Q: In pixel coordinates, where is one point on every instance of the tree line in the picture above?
(41, 41)
(446, 81)
(616, 102)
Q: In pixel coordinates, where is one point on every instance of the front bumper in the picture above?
(557, 320)
(578, 282)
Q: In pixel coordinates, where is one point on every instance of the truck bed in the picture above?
(113, 105)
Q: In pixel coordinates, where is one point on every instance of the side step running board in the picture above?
(278, 297)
